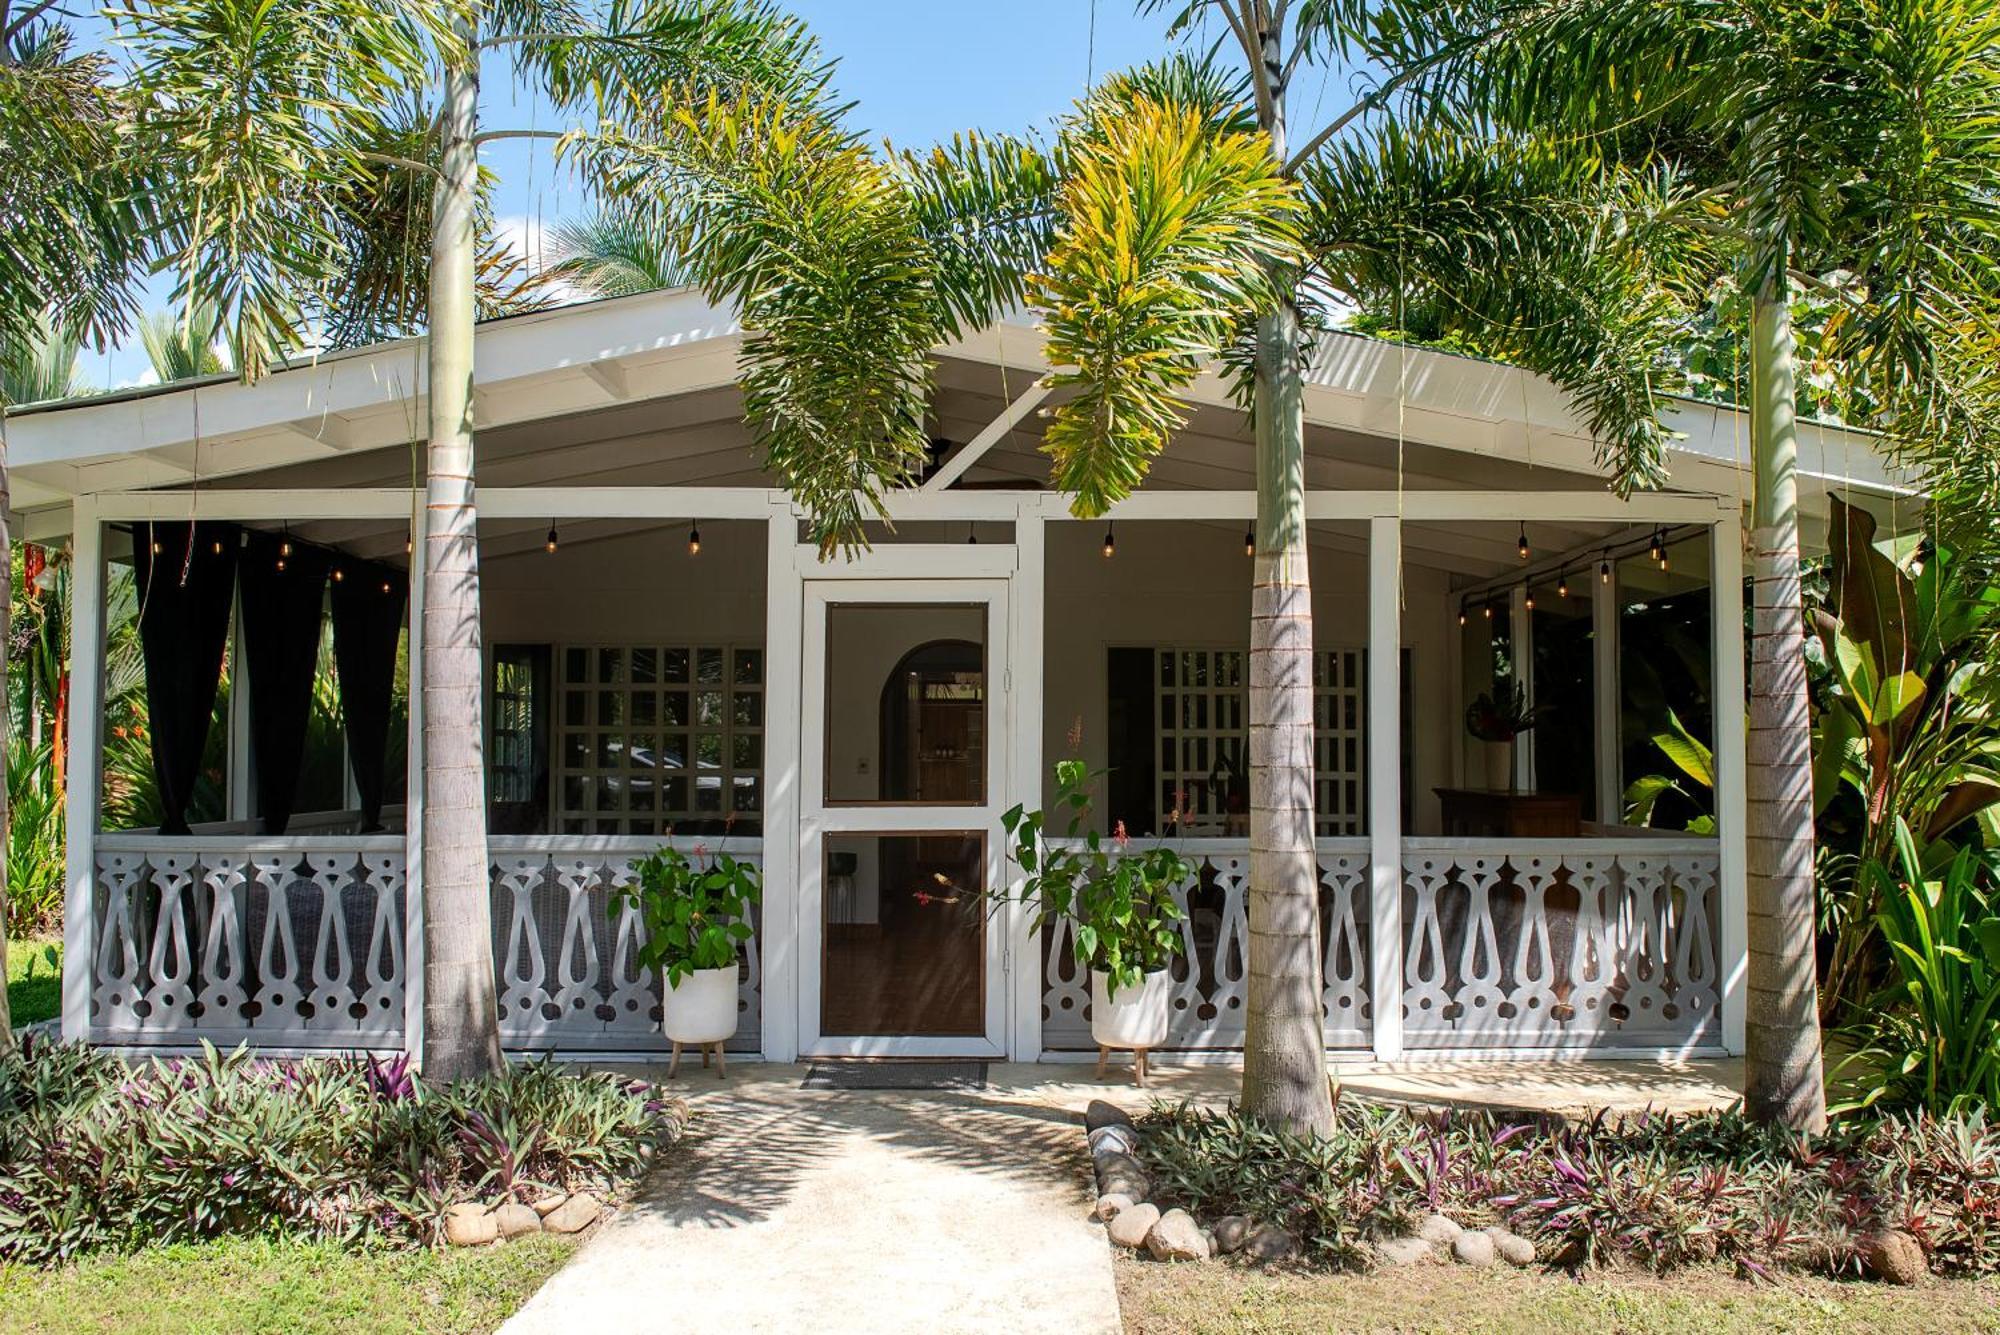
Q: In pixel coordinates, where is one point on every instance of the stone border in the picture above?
(1135, 1222)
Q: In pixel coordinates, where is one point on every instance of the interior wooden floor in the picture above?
(923, 976)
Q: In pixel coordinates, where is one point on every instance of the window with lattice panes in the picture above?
(1202, 782)
(653, 738)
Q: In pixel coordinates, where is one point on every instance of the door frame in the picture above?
(959, 582)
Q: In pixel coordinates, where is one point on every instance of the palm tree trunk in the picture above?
(461, 1034)
(1284, 1050)
(1782, 1077)
(6, 736)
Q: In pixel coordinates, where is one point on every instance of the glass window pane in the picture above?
(906, 703)
(903, 934)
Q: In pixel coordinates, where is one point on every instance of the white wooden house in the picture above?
(858, 726)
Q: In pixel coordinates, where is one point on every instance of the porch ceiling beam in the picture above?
(969, 454)
(609, 377)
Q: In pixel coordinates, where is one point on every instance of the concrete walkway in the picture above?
(805, 1210)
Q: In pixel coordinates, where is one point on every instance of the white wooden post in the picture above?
(1605, 700)
(784, 612)
(1023, 678)
(86, 713)
(1731, 765)
(1385, 784)
(242, 780)
(413, 803)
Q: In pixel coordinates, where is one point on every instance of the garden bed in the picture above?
(100, 1155)
(1895, 1199)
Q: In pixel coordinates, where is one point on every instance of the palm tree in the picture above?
(615, 252)
(183, 347)
(1165, 227)
(1846, 147)
(355, 204)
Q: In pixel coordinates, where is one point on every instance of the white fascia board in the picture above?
(373, 392)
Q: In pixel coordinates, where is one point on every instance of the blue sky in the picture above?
(917, 70)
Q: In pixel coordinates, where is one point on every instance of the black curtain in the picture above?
(367, 627)
(186, 576)
(284, 592)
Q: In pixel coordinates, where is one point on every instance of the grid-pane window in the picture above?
(1201, 718)
(659, 737)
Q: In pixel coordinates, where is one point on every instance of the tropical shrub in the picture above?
(695, 910)
(35, 816)
(1649, 1191)
(96, 1153)
(1122, 902)
(1931, 1038)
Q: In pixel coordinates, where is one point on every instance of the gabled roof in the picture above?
(626, 351)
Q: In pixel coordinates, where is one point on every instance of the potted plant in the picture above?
(1127, 924)
(1497, 718)
(695, 912)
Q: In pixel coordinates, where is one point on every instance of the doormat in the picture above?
(895, 1075)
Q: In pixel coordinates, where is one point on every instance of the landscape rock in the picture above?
(1111, 1206)
(547, 1205)
(469, 1225)
(1131, 1226)
(1176, 1237)
(1121, 1174)
(1438, 1230)
(1268, 1242)
(514, 1219)
(1894, 1257)
(1102, 1114)
(1513, 1248)
(1403, 1251)
(1114, 1140)
(1232, 1231)
(573, 1215)
(1474, 1248)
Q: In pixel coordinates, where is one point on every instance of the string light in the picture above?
(218, 546)
(1250, 548)
(1604, 567)
(385, 586)
(1658, 551)
(1486, 610)
(338, 574)
(971, 535)
(1110, 542)
(409, 541)
(1524, 541)
(1529, 591)
(549, 543)
(1562, 585)
(694, 539)
(1461, 614)
(285, 546)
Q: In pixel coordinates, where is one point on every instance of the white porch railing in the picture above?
(1210, 977)
(1560, 943)
(299, 943)
(278, 942)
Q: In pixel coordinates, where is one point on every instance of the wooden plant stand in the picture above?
(707, 1049)
(1138, 1063)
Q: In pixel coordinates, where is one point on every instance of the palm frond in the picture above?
(615, 252)
(181, 345)
(43, 369)
(1170, 234)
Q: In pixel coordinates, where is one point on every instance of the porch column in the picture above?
(1024, 697)
(413, 801)
(1731, 763)
(784, 612)
(1605, 698)
(1385, 784)
(86, 713)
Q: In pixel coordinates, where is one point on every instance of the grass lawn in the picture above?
(240, 1286)
(34, 979)
(1157, 1299)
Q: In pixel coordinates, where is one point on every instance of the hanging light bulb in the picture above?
(549, 543)
(409, 541)
(338, 574)
(285, 546)
(1110, 542)
(1562, 585)
(218, 546)
(386, 587)
(1658, 551)
(1523, 548)
(1461, 614)
(1663, 558)
(971, 535)
(1529, 590)
(1486, 610)
(1604, 568)
(156, 546)
(694, 539)
(1250, 542)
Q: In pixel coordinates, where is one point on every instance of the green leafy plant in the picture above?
(1696, 763)
(695, 910)
(35, 817)
(1931, 1039)
(1121, 900)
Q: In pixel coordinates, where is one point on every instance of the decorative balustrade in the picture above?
(290, 943)
(266, 941)
(567, 972)
(1569, 943)
(1210, 978)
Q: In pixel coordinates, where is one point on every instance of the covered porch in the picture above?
(666, 657)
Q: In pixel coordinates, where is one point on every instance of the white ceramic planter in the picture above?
(1137, 1017)
(702, 1008)
(1500, 766)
